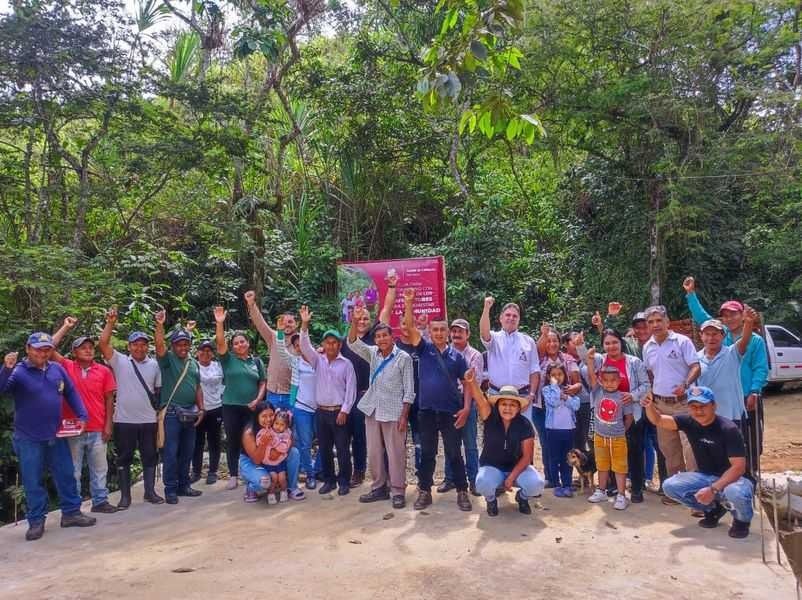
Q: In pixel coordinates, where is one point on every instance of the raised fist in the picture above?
(160, 316)
(689, 285)
(10, 360)
(250, 297)
(613, 308)
(392, 280)
(750, 315)
(596, 319)
(111, 315)
(70, 322)
(409, 294)
(489, 301)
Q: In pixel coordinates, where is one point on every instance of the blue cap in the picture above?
(701, 395)
(179, 335)
(40, 339)
(81, 340)
(138, 335)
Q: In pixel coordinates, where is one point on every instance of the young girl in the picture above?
(278, 439)
(560, 424)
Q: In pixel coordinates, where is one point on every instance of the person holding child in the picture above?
(561, 408)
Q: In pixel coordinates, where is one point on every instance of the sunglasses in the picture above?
(657, 308)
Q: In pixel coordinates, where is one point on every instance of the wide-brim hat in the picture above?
(509, 392)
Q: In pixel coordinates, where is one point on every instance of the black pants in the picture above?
(750, 426)
(359, 440)
(130, 436)
(235, 419)
(635, 457)
(431, 422)
(330, 436)
(582, 427)
(209, 429)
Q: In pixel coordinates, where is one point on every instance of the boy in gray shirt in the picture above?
(611, 419)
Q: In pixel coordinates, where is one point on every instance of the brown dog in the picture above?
(585, 464)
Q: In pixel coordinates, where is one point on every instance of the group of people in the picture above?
(356, 395)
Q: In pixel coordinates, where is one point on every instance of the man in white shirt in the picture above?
(673, 366)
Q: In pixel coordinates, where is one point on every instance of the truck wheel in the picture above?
(773, 387)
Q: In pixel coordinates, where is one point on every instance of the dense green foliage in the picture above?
(558, 153)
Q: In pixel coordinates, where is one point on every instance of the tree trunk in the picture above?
(655, 243)
(80, 211)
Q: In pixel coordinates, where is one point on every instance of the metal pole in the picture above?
(776, 520)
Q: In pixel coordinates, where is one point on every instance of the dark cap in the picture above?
(81, 340)
(205, 344)
(138, 335)
(180, 335)
(461, 323)
(638, 317)
(610, 369)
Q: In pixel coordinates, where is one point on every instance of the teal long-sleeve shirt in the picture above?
(755, 361)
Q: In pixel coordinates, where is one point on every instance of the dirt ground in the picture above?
(217, 546)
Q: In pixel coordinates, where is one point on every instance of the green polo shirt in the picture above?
(241, 378)
(172, 367)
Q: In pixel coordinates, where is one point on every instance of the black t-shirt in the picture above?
(714, 444)
(361, 367)
(503, 449)
(413, 352)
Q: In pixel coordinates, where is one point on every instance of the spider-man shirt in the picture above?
(608, 412)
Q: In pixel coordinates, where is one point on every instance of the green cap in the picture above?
(332, 333)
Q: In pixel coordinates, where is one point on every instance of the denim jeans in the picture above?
(54, 455)
(539, 421)
(91, 445)
(303, 425)
(253, 473)
(559, 442)
(359, 440)
(736, 497)
(489, 479)
(431, 422)
(468, 432)
(179, 445)
(649, 449)
(281, 401)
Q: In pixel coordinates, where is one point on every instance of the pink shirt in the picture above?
(335, 381)
(280, 442)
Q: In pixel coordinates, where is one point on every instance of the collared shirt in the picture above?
(361, 367)
(172, 367)
(474, 359)
(438, 391)
(722, 374)
(133, 404)
(243, 376)
(302, 390)
(335, 381)
(669, 361)
(92, 385)
(511, 358)
(390, 388)
(38, 394)
(279, 371)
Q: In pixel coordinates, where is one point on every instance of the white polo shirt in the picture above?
(511, 358)
(669, 362)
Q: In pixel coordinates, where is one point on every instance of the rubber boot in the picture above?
(124, 479)
(149, 477)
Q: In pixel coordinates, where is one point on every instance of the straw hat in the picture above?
(509, 392)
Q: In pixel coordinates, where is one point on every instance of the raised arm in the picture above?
(158, 334)
(104, 342)
(484, 320)
(409, 319)
(590, 361)
(482, 403)
(698, 312)
(657, 419)
(68, 325)
(613, 318)
(545, 329)
(220, 330)
(7, 380)
(255, 314)
(307, 350)
(389, 300)
(750, 316)
(551, 394)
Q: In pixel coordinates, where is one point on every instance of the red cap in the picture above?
(732, 305)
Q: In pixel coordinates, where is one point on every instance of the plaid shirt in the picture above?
(391, 388)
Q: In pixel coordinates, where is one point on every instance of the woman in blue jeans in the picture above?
(509, 443)
(250, 460)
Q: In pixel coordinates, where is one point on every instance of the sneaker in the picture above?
(376, 495)
(211, 479)
(739, 529)
(78, 519)
(297, 494)
(711, 518)
(621, 502)
(492, 507)
(104, 507)
(232, 484)
(282, 496)
(311, 483)
(446, 487)
(35, 531)
(327, 488)
(423, 500)
(559, 492)
(464, 501)
(272, 499)
(523, 504)
(250, 496)
(568, 492)
(598, 496)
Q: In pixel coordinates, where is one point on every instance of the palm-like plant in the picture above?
(184, 56)
(149, 13)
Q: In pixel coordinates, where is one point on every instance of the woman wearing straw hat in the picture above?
(509, 443)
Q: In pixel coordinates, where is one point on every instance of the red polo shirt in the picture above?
(92, 384)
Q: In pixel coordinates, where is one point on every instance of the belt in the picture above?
(521, 391)
(332, 408)
(670, 399)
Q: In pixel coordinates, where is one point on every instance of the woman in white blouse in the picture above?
(211, 379)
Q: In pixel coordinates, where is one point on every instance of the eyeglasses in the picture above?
(657, 308)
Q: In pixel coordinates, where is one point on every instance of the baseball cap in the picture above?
(638, 317)
(657, 308)
(701, 395)
(332, 333)
(138, 335)
(80, 340)
(714, 323)
(610, 369)
(205, 344)
(461, 323)
(40, 339)
(732, 305)
(180, 335)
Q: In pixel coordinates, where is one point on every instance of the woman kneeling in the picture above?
(509, 442)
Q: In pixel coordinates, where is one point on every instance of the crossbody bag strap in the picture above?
(381, 366)
(178, 383)
(442, 364)
(151, 395)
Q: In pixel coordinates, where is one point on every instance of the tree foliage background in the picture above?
(558, 153)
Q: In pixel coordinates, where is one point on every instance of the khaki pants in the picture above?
(674, 444)
(384, 436)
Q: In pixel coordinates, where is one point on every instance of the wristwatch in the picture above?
(715, 489)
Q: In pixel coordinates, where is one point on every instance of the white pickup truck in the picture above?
(785, 356)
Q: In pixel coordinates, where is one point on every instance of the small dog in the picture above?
(585, 464)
